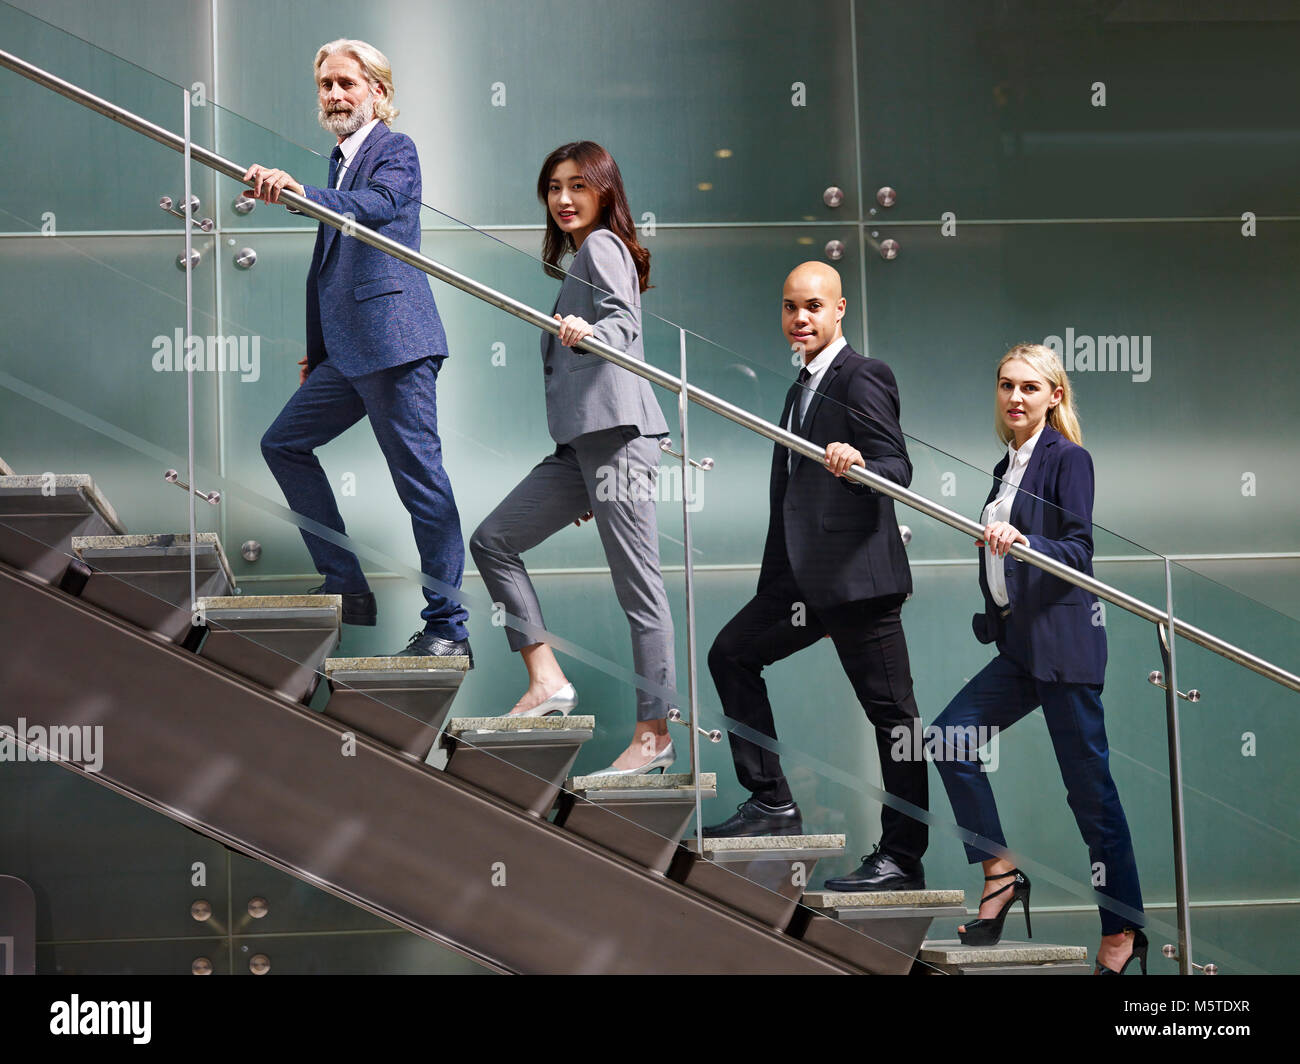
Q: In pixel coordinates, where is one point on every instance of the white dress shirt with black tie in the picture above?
(816, 371)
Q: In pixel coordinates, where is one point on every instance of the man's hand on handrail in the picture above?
(268, 183)
(840, 457)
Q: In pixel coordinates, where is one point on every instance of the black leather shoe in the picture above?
(428, 645)
(358, 607)
(880, 871)
(758, 818)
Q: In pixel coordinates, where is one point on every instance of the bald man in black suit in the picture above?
(833, 565)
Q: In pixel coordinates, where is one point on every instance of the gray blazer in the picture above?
(584, 393)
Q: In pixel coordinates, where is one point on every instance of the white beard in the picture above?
(345, 123)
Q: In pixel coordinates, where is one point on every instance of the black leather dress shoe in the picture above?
(358, 607)
(880, 871)
(428, 645)
(758, 818)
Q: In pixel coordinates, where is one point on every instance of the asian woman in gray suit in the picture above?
(605, 422)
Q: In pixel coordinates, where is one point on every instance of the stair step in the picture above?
(289, 608)
(764, 876)
(775, 847)
(280, 641)
(400, 701)
(865, 903)
(522, 760)
(145, 579)
(667, 785)
(1005, 958)
(502, 727)
(40, 514)
(159, 555)
(62, 493)
(880, 931)
(642, 817)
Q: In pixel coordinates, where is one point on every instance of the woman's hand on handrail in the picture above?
(1000, 537)
(573, 330)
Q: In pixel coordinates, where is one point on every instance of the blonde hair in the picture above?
(373, 63)
(1045, 362)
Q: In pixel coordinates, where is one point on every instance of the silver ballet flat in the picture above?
(562, 703)
(660, 761)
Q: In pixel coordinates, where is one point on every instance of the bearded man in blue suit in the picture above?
(375, 344)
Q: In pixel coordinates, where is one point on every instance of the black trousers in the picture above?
(868, 637)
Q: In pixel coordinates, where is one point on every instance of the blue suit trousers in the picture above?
(401, 403)
(1002, 693)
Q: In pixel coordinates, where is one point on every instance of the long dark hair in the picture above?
(601, 172)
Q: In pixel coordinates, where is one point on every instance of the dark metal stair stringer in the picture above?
(423, 850)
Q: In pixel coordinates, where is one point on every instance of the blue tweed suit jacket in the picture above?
(366, 310)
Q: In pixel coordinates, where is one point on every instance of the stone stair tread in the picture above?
(82, 483)
(272, 602)
(136, 541)
(650, 781)
(952, 952)
(834, 899)
(519, 723)
(170, 544)
(776, 842)
(1046, 968)
(396, 665)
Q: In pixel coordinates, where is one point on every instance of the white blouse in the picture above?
(1000, 510)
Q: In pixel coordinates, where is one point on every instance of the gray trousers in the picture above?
(612, 473)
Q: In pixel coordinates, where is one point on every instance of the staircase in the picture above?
(440, 825)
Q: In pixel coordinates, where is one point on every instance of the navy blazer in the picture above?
(1058, 639)
(366, 310)
(839, 538)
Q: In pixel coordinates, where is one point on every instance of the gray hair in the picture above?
(375, 65)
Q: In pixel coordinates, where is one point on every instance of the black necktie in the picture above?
(796, 411)
(336, 157)
(796, 419)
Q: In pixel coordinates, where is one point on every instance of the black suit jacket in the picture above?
(841, 539)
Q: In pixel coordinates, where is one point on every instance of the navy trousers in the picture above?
(401, 403)
(999, 695)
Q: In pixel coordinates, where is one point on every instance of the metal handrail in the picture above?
(657, 376)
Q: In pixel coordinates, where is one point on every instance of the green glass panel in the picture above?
(995, 110)
(664, 87)
(1194, 444)
(67, 169)
(101, 866)
(1240, 788)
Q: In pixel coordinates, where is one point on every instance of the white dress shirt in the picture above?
(350, 146)
(816, 371)
(1000, 510)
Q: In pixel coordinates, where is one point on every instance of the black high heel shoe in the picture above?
(1140, 945)
(988, 932)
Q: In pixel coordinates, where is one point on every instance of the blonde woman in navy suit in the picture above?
(1051, 652)
(605, 422)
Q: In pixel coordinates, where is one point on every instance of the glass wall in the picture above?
(1113, 179)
